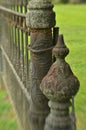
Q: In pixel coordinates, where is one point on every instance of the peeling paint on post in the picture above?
(40, 20)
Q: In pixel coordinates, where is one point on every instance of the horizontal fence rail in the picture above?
(10, 12)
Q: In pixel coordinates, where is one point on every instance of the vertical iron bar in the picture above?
(22, 39)
(16, 45)
(11, 35)
(55, 39)
(10, 30)
(26, 41)
(22, 43)
(18, 38)
(14, 42)
(25, 49)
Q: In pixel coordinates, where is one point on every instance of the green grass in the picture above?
(7, 116)
(72, 22)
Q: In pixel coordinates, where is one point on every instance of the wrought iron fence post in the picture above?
(59, 85)
(40, 20)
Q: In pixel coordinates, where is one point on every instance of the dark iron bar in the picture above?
(18, 37)
(11, 47)
(26, 56)
(22, 53)
(22, 44)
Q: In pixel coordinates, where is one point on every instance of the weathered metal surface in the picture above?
(59, 85)
(40, 14)
(40, 20)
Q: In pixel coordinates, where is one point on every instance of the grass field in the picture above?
(72, 22)
(7, 116)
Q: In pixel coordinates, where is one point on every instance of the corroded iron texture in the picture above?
(59, 85)
(41, 60)
(40, 20)
(40, 14)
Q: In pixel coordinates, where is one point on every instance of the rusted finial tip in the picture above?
(60, 50)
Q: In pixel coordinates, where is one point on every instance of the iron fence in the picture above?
(14, 45)
(27, 57)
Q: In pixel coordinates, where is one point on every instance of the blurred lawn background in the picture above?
(72, 22)
(7, 116)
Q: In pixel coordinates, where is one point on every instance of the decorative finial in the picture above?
(60, 50)
(59, 85)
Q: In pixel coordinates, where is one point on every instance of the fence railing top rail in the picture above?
(11, 12)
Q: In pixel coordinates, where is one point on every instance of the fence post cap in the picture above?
(60, 84)
(40, 14)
